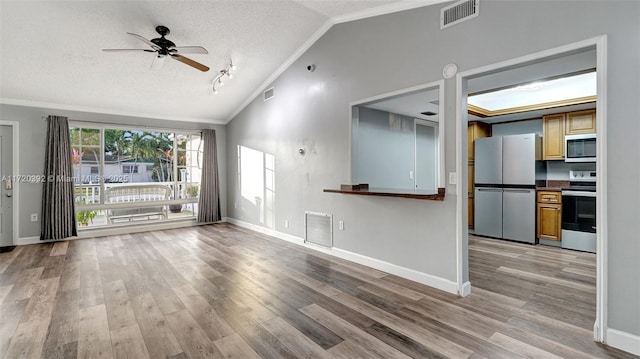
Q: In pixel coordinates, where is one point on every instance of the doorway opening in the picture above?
(532, 66)
(8, 187)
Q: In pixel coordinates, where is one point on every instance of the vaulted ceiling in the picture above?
(50, 51)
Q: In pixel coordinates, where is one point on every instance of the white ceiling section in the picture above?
(51, 51)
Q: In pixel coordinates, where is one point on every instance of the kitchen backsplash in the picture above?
(559, 170)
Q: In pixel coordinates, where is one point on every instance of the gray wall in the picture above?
(517, 128)
(33, 132)
(383, 156)
(311, 109)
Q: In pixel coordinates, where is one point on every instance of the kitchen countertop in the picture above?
(549, 189)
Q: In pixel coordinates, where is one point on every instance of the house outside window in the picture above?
(116, 167)
(129, 169)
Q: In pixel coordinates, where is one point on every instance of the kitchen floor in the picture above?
(221, 291)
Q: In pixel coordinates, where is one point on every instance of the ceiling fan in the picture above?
(166, 48)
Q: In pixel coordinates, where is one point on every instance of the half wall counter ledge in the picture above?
(365, 190)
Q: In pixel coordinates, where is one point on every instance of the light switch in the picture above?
(453, 178)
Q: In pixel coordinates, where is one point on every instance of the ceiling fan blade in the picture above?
(148, 42)
(188, 61)
(158, 60)
(126, 50)
(189, 49)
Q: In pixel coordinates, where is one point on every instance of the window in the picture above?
(129, 169)
(114, 167)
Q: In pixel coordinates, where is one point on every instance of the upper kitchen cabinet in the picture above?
(553, 137)
(580, 122)
(476, 130)
(556, 126)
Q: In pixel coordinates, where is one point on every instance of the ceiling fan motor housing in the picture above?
(161, 41)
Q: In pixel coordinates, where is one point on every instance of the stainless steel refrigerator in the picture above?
(507, 169)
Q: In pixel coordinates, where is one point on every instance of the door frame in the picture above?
(462, 231)
(436, 128)
(15, 130)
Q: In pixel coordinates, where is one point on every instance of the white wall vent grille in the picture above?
(458, 12)
(268, 94)
(318, 229)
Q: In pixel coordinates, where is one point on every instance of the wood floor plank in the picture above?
(94, 339)
(7, 258)
(191, 337)
(42, 301)
(292, 338)
(520, 348)
(210, 322)
(234, 347)
(160, 340)
(128, 343)
(4, 292)
(417, 333)
(65, 318)
(28, 340)
(566, 283)
(10, 314)
(354, 334)
(59, 248)
(260, 340)
(26, 284)
(119, 311)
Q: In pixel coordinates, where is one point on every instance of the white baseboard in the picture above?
(29, 240)
(466, 289)
(623, 341)
(407, 273)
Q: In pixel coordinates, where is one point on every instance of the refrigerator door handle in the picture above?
(488, 189)
(518, 190)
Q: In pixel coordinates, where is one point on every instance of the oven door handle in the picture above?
(579, 194)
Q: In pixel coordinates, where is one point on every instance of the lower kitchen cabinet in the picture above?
(549, 215)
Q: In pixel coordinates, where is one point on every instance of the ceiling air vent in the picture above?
(268, 94)
(458, 12)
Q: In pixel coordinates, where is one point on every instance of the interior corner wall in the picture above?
(33, 131)
(368, 57)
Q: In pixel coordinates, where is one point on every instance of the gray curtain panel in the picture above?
(209, 202)
(58, 207)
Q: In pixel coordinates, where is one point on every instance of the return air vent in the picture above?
(318, 229)
(458, 12)
(268, 94)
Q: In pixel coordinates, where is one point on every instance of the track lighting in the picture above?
(217, 81)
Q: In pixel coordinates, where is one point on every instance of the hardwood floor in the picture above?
(224, 292)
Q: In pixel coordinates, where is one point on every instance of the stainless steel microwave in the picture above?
(580, 148)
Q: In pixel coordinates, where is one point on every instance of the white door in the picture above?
(6, 191)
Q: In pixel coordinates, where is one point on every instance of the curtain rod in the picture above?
(142, 127)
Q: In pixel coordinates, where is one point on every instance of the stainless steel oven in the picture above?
(579, 212)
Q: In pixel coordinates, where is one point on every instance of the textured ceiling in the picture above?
(50, 52)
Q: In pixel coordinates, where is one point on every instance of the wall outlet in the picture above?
(341, 225)
(34, 217)
(286, 223)
(453, 178)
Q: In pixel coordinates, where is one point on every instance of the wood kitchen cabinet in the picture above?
(553, 127)
(474, 130)
(549, 215)
(580, 122)
(556, 126)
